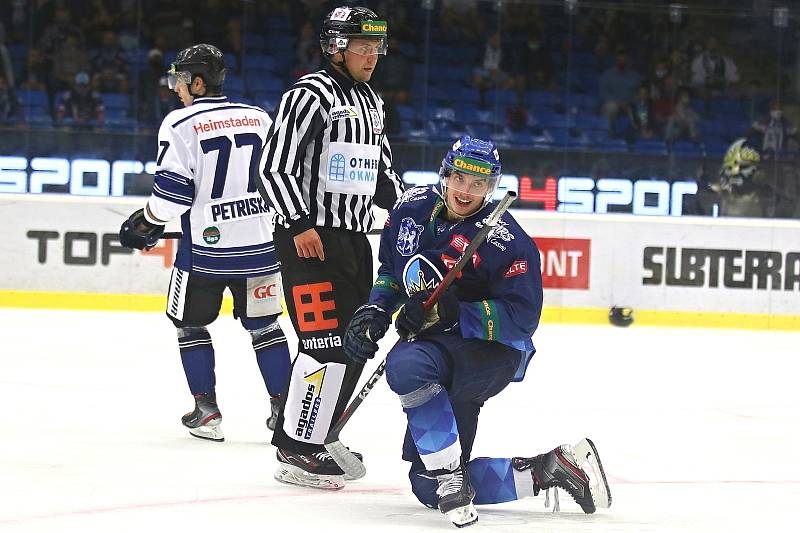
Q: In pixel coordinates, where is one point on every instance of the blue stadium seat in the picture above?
(406, 112)
(254, 41)
(554, 120)
(650, 146)
(116, 112)
(115, 101)
(234, 84)
(541, 99)
(259, 62)
(687, 148)
(262, 81)
(502, 97)
(230, 61)
(614, 145)
(32, 98)
(586, 121)
(469, 95)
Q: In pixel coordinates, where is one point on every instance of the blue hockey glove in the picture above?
(412, 319)
(366, 328)
(137, 232)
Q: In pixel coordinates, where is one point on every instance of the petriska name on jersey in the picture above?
(213, 125)
(240, 208)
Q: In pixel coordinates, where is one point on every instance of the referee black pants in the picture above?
(321, 297)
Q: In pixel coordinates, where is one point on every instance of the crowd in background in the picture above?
(640, 76)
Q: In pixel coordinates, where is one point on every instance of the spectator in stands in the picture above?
(459, 21)
(9, 104)
(110, 66)
(641, 115)
(664, 103)
(774, 130)
(68, 60)
(165, 101)
(680, 69)
(531, 66)
(604, 59)
(35, 75)
(713, 73)
(309, 53)
(81, 107)
(98, 20)
(56, 34)
(6, 67)
(618, 87)
(149, 80)
(682, 123)
(489, 75)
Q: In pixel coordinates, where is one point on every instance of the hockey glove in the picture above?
(366, 328)
(413, 320)
(137, 232)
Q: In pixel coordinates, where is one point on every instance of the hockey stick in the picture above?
(346, 460)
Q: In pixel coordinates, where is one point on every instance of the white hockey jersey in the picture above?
(207, 159)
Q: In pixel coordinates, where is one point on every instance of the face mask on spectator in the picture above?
(776, 114)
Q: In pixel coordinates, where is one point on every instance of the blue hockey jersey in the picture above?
(500, 290)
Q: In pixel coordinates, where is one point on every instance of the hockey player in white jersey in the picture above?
(207, 157)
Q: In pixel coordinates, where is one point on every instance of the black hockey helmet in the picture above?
(204, 60)
(344, 23)
(620, 316)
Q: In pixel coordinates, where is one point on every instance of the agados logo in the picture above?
(472, 166)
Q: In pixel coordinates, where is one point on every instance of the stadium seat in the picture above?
(650, 146)
(115, 101)
(32, 98)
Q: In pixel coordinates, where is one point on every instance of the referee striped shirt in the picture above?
(326, 159)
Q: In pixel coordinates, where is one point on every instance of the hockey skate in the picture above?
(575, 469)
(204, 421)
(316, 470)
(455, 495)
(275, 406)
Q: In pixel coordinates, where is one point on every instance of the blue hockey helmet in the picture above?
(474, 157)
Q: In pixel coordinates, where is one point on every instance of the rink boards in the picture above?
(62, 252)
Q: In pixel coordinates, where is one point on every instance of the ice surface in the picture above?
(697, 431)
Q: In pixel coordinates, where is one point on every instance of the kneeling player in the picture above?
(475, 340)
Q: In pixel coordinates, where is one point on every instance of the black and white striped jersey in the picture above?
(327, 158)
(207, 162)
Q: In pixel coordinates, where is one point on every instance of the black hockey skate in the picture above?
(455, 495)
(575, 469)
(316, 470)
(275, 407)
(204, 421)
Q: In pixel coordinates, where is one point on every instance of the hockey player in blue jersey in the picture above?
(469, 346)
(208, 152)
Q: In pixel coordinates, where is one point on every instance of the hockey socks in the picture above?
(495, 481)
(272, 355)
(197, 356)
(433, 428)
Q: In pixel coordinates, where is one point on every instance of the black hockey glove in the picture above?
(137, 232)
(366, 328)
(412, 319)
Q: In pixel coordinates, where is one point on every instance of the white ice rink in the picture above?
(697, 430)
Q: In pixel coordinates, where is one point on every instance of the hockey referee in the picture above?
(326, 161)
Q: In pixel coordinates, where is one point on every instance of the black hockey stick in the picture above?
(346, 460)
